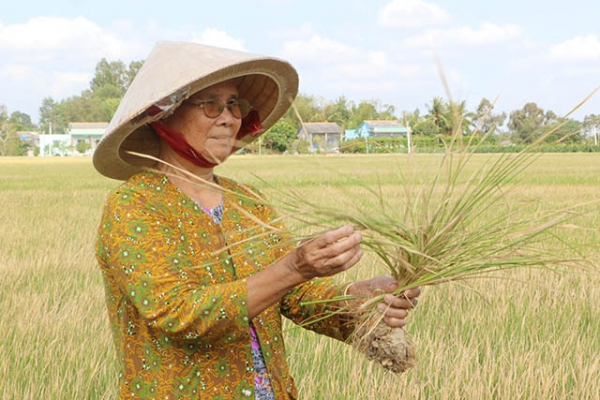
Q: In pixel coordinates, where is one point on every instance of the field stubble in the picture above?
(528, 335)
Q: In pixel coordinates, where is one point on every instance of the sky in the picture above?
(397, 52)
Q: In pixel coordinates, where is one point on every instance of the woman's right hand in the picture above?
(331, 253)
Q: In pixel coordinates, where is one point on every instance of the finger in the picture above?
(392, 286)
(333, 236)
(390, 312)
(395, 322)
(412, 293)
(399, 301)
(354, 260)
(382, 284)
(344, 261)
(348, 244)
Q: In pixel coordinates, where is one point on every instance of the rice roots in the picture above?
(389, 347)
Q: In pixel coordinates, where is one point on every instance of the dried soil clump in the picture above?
(387, 346)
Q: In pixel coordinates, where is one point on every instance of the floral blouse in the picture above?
(262, 383)
(176, 292)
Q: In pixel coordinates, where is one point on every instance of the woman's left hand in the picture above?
(394, 307)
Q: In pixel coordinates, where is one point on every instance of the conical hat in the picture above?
(173, 72)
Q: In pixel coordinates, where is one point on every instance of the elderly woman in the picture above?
(195, 288)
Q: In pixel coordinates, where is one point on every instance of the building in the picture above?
(321, 136)
(81, 139)
(378, 128)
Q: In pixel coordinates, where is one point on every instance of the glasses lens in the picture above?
(239, 108)
(244, 107)
(213, 109)
(234, 108)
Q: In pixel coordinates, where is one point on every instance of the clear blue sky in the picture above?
(546, 52)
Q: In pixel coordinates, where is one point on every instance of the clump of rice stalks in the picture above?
(456, 224)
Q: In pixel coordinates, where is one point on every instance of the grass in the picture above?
(532, 335)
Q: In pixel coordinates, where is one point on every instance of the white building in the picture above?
(81, 139)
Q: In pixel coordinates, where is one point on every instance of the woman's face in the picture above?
(214, 138)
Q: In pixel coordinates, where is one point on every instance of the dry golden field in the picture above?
(532, 335)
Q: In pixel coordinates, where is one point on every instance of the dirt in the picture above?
(387, 346)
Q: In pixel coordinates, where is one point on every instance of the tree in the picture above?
(82, 146)
(425, 127)
(568, 132)
(111, 75)
(131, 72)
(21, 121)
(51, 118)
(4, 130)
(338, 112)
(361, 112)
(591, 126)
(459, 118)
(484, 120)
(79, 108)
(110, 82)
(439, 113)
(96, 104)
(279, 137)
(10, 143)
(410, 118)
(370, 110)
(529, 123)
(309, 108)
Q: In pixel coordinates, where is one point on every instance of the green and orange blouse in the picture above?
(176, 292)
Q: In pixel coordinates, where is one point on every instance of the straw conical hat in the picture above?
(173, 72)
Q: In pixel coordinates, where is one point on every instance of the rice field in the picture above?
(531, 335)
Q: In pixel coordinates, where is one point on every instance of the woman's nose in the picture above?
(227, 117)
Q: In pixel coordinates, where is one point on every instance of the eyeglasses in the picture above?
(239, 108)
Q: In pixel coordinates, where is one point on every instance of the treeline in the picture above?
(474, 144)
(96, 104)
(441, 117)
(440, 120)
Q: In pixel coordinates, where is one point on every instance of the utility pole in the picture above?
(408, 132)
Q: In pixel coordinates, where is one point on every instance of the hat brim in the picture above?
(172, 73)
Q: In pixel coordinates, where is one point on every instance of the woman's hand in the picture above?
(394, 308)
(326, 255)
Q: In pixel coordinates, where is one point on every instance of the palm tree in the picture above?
(438, 112)
(460, 118)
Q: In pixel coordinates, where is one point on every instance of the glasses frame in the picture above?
(243, 106)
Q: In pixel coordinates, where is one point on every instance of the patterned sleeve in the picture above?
(146, 262)
(303, 305)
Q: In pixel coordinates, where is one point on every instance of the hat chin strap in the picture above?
(177, 142)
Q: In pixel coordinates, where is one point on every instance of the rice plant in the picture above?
(457, 225)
